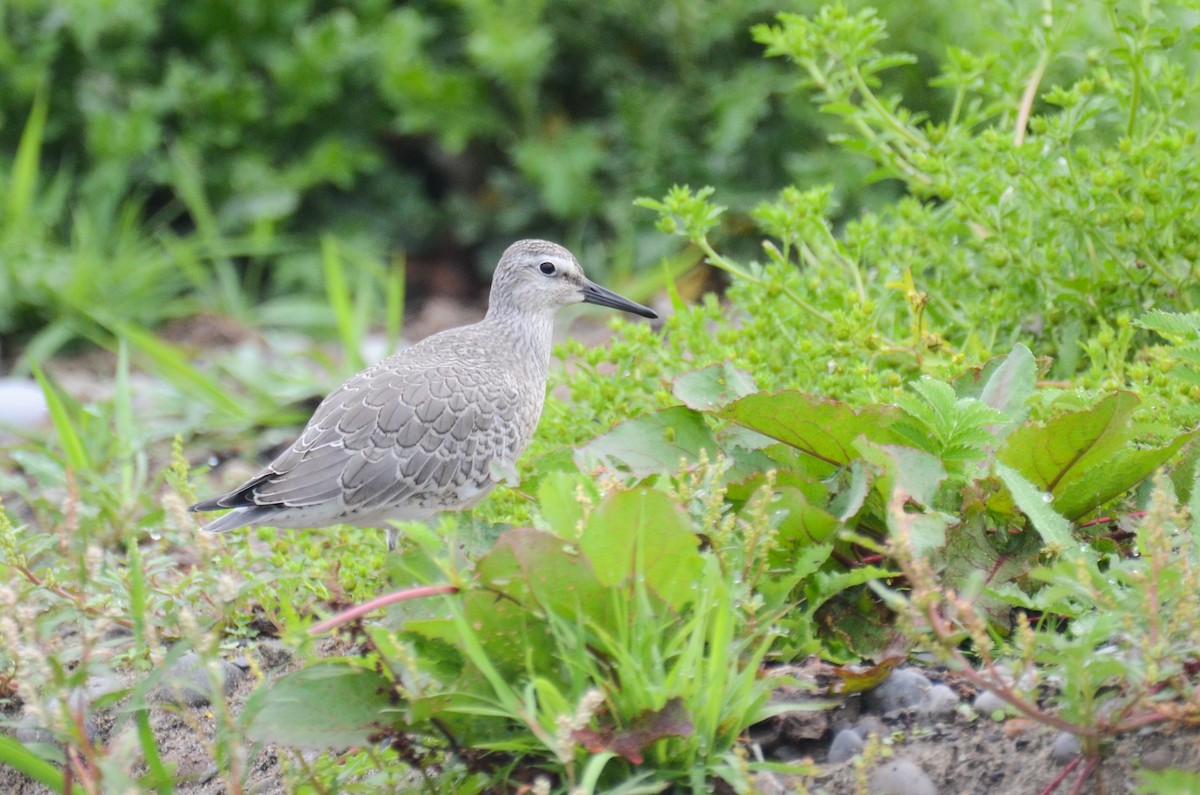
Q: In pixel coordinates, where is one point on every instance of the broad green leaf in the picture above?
(1053, 453)
(714, 386)
(1090, 488)
(824, 429)
(331, 704)
(559, 504)
(512, 636)
(804, 522)
(537, 568)
(642, 534)
(651, 444)
(1050, 525)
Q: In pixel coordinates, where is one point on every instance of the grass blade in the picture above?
(158, 777)
(339, 301)
(73, 446)
(15, 755)
(394, 301)
(171, 365)
(23, 182)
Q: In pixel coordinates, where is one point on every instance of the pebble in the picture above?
(273, 653)
(939, 700)
(186, 683)
(846, 745)
(870, 724)
(22, 404)
(1158, 758)
(902, 690)
(900, 777)
(988, 703)
(1066, 748)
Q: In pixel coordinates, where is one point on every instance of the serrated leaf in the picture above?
(824, 429)
(651, 444)
(1050, 525)
(714, 386)
(327, 705)
(915, 473)
(1171, 324)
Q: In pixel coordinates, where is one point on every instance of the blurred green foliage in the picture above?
(416, 125)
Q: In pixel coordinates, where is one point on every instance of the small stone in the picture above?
(870, 725)
(22, 405)
(186, 683)
(939, 700)
(29, 732)
(1159, 758)
(1066, 748)
(988, 703)
(272, 654)
(900, 777)
(769, 784)
(846, 745)
(900, 691)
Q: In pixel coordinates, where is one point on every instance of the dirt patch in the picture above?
(959, 752)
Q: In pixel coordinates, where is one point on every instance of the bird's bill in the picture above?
(602, 296)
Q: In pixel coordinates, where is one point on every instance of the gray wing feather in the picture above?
(390, 433)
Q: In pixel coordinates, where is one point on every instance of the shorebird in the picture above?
(434, 427)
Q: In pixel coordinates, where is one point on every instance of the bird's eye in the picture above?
(547, 268)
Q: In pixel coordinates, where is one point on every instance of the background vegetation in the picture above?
(958, 342)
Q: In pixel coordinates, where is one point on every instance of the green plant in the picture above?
(608, 639)
(1102, 645)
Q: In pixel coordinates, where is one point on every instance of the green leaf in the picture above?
(803, 523)
(1054, 452)
(643, 535)
(68, 436)
(1008, 386)
(714, 386)
(15, 755)
(1050, 525)
(1091, 487)
(559, 504)
(824, 429)
(651, 444)
(1171, 324)
(331, 704)
(22, 182)
(539, 569)
(170, 363)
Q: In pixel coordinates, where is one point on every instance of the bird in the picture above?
(434, 427)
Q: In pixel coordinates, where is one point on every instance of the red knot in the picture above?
(434, 427)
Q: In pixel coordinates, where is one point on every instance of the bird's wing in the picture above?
(388, 434)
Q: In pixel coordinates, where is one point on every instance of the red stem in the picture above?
(380, 601)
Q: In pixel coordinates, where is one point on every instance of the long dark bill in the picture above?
(602, 296)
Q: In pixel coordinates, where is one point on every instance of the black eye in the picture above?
(547, 268)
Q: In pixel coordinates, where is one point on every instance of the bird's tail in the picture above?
(239, 517)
